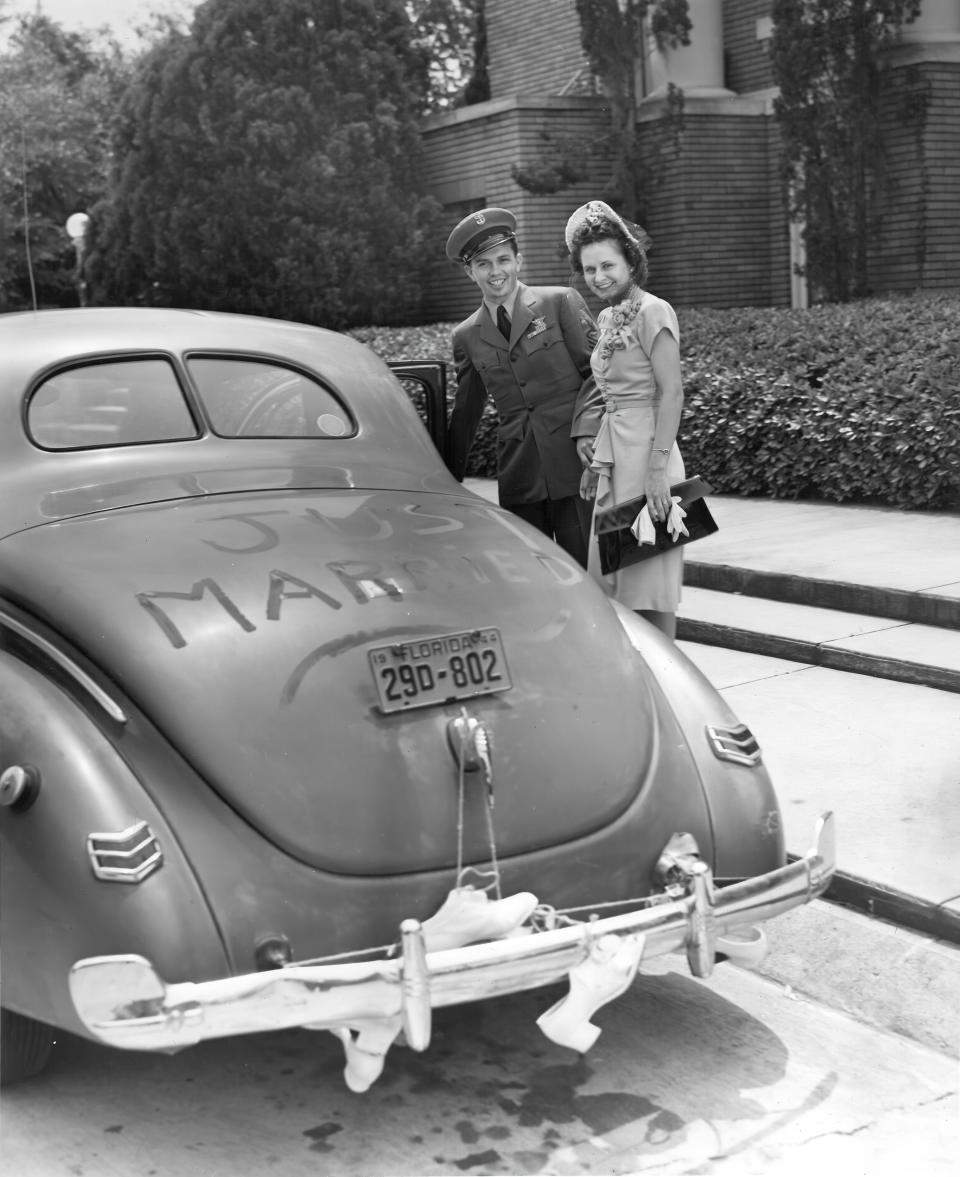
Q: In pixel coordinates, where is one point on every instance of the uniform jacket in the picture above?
(542, 386)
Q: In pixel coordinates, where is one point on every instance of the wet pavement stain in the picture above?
(488, 1158)
(468, 1133)
(552, 1098)
(321, 1134)
(529, 1161)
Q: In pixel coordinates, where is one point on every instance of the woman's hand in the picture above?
(588, 484)
(657, 490)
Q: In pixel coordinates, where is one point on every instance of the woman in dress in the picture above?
(637, 366)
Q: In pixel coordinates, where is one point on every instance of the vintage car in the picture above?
(295, 730)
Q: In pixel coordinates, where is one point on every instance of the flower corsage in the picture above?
(614, 327)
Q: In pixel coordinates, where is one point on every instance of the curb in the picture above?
(894, 604)
(710, 633)
(896, 907)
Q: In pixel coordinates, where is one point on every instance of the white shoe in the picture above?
(606, 973)
(468, 916)
(367, 1052)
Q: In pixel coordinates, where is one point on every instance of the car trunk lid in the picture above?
(249, 628)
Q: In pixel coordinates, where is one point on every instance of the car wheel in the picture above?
(25, 1047)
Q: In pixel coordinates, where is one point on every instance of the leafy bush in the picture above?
(855, 403)
(859, 402)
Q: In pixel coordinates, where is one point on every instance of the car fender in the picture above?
(741, 800)
(54, 909)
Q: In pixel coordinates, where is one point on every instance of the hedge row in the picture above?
(851, 403)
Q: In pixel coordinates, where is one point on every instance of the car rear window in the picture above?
(254, 398)
(125, 402)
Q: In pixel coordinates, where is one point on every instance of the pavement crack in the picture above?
(865, 633)
(905, 1109)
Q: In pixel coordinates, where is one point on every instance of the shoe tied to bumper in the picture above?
(465, 917)
(468, 916)
(606, 973)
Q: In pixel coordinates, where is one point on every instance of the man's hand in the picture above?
(585, 450)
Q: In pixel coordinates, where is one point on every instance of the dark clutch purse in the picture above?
(618, 545)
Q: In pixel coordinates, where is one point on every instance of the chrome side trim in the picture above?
(67, 664)
(737, 744)
(122, 1001)
(127, 857)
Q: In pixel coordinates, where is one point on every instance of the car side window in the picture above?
(123, 402)
(257, 398)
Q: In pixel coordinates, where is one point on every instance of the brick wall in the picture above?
(942, 156)
(918, 244)
(717, 216)
(745, 64)
(779, 262)
(468, 158)
(533, 46)
(717, 219)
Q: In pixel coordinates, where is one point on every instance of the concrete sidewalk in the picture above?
(834, 632)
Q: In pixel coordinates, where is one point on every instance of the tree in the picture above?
(828, 61)
(268, 162)
(478, 86)
(57, 93)
(452, 33)
(614, 35)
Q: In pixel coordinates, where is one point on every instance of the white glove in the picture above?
(675, 519)
(643, 529)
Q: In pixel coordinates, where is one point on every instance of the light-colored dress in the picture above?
(624, 373)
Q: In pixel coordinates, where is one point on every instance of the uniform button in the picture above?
(529, 408)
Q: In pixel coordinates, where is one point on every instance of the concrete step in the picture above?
(940, 607)
(860, 643)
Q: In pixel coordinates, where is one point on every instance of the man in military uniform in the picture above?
(529, 348)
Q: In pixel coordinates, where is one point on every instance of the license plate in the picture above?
(428, 671)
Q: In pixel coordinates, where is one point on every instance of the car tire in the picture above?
(25, 1047)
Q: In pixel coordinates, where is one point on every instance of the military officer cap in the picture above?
(479, 231)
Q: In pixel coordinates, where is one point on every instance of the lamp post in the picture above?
(77, 226)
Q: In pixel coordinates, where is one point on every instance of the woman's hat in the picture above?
(597, 213)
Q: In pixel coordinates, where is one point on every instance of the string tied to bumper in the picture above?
(469, 739)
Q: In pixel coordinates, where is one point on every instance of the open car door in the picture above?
(425, 382)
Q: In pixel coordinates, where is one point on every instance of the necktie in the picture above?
(503, 322)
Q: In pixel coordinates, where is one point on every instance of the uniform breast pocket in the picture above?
(548, 352)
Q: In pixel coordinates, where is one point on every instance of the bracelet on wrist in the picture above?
(658, 450)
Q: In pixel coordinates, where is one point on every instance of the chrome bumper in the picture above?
(122, 1001)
